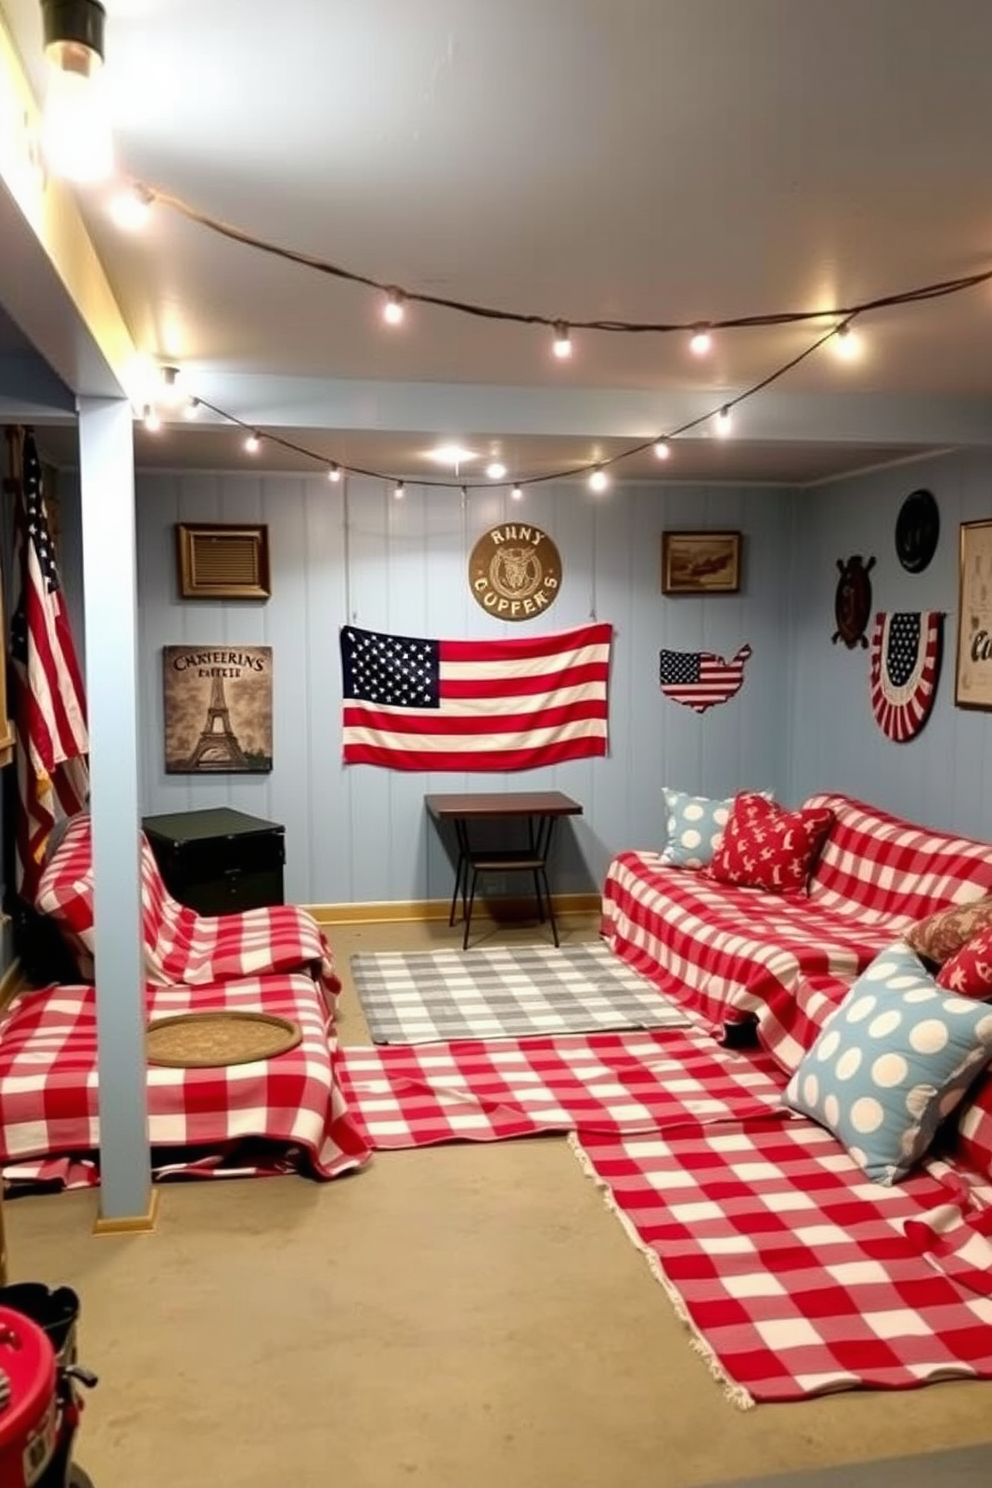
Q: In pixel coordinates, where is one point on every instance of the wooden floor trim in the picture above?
(424, 910)
(129, 1224)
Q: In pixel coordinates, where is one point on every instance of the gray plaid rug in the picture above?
(428, 997)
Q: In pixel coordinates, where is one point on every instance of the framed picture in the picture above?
(218, 709)
(700, 562)
(973, 671)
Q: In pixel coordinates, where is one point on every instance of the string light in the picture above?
(334, 472)
(702, 341)
(150, 418)
(75, 124)
(253, 443)
(662, 449)
(598, 480)
(393, 310)
(192, 408)
(724, 423)
(516, 494)
(170, 392)
(846, 343)
(399, 490)
(562, 346)
(131, 208)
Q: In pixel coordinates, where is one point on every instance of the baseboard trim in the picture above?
(423, 910)
(129, 1224)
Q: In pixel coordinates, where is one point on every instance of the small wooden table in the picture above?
(539, 809)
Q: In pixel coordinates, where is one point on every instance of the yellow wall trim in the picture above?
(391, 911)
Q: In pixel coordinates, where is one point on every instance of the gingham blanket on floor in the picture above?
(797, 1275)
(605, 1082)
(505, 992)
(270, 1116)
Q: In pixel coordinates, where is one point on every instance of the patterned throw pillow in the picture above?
(694, 828)
(894, 1059)
(942, 934)
(767, 847)
(969, 971)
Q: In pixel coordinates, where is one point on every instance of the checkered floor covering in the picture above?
(478, 1091)
(796, 1275)
(505, 992)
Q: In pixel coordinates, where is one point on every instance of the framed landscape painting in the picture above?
(700, 562)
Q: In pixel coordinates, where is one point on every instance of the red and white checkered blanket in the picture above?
(414, 1096)
(796, 1275)
(725, 952)
(180, 945)
(270, 1116)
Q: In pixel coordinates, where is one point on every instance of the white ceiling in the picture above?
(673, 160)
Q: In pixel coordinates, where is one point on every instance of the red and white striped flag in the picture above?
(417, 704)
(49, 704)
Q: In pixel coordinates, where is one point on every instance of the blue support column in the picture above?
(106, 462)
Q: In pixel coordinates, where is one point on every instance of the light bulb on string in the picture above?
(662, 449)
(334, 472)
(724, 422)
(170, 392)
(701, 342)
(191, 408)
(516, 494)
(76, 135)
(151, 419)
(393, 310)
(562, 345)
(599, 480)
(846, 343)
(399, 491)
(131, 208)
(253, 444)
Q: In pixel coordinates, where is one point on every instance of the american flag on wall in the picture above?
(905, 666)
(49, 703)
(517, 704)
(700, 680)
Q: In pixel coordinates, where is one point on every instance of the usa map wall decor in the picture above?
(701, 680)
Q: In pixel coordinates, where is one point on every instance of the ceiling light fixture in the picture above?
(496, 470)
(662, 449)
(702, 341)
(599, 480)
(253, 444)
(563, 341)
(393, 310)
(75, 126)
(451, 454)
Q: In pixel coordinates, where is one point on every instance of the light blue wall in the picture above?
(944, 776)
(359, 833)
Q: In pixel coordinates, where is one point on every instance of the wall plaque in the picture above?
(218, 708)
(514, 571)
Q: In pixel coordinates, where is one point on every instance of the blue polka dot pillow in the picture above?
(891, 1062)
(694, 828)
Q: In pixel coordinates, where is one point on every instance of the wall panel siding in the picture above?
(942, 776)
(354, 553)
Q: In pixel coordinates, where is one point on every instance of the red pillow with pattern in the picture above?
(766, 847)
(969, 970)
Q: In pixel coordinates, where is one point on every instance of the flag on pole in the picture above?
(49, 704)
(514, 704)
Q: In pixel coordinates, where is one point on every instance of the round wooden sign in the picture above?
(514, 571)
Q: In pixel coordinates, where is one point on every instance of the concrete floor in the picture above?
(460, 1316)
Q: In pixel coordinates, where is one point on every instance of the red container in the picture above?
(29, 1416)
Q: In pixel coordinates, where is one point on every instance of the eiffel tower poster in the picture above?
(218, 709)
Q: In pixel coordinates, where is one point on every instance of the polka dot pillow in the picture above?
(694, 828)
(890, 1063)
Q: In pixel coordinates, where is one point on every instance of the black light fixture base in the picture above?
(77, 21)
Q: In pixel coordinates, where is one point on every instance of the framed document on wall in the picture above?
(973, 670)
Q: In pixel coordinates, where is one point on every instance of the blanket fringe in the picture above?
(734, 1392)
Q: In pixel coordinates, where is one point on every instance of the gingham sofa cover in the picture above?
(731, 954)
(180, 945)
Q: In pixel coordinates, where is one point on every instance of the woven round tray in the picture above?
(218, 1038)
